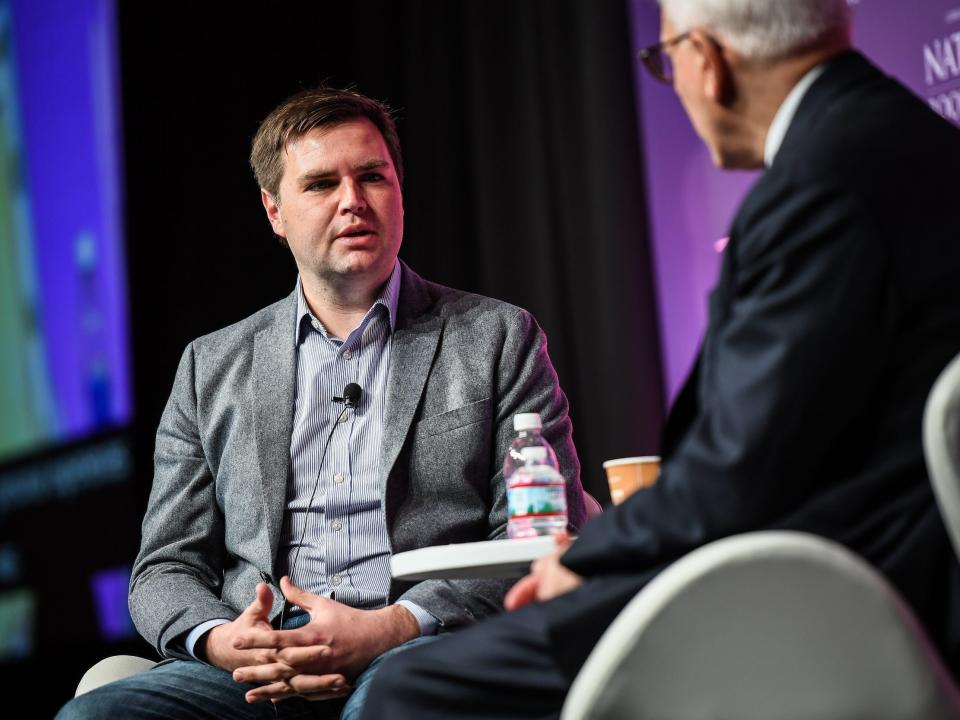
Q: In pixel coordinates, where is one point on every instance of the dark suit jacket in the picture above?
(837, 305)
(461, 366)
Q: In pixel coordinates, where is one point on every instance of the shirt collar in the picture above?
(388, 298)
(788, 108)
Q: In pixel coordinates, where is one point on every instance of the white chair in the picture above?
(780, 626)
(941, 446)
(765, 626)
(112, 668)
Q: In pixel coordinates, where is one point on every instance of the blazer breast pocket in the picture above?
(469, 414)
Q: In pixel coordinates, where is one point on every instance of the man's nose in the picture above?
(352, 199)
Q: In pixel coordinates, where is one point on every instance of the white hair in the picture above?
(764, 29)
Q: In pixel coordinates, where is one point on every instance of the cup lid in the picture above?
(632, 460)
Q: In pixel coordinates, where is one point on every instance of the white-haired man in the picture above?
(837, 305)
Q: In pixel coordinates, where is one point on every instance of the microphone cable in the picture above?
(351, 396)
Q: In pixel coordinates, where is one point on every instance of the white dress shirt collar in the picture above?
(389, 298)
(788, 108)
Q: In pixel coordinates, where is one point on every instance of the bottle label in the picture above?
(536, 499)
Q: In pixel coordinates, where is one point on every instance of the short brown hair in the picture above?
(309, 109)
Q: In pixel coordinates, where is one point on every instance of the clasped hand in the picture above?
(315, 661)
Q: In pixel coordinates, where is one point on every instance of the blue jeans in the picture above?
(361, 686)
(192, 690)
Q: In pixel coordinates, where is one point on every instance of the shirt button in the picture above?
(338, 478)
(347, 354)
(336, 525)
(335, 580)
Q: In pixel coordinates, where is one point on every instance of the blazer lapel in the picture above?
(414, 343)
(274, 366)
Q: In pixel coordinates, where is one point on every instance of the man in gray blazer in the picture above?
(264, 472)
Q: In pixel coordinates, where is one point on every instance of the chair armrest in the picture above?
(764, 626)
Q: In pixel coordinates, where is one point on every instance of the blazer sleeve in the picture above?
(525, 381)
(785, 370)
(529, 383)
(176, 579)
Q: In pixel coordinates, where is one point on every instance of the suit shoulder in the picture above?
(226, 339)
(451, 303)
(873, 133)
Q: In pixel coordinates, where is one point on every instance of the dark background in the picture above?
(524, 181)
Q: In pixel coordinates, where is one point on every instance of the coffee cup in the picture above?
(627, 475)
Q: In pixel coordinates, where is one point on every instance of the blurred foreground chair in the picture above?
(941, 446)
(780, 625)
(765, 626)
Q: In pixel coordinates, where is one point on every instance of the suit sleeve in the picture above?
(529, 383)
(525, 382)
(177, 575)
(786, 369)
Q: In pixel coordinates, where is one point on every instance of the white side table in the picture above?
(490, 559)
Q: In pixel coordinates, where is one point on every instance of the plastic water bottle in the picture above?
(536, 491)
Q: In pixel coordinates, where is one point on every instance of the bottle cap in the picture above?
(527, 421)
(536, 454)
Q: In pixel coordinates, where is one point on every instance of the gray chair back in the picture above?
(941, 446)
(771, 625)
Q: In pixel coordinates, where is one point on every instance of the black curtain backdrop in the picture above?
(524, 178)
(524, 182)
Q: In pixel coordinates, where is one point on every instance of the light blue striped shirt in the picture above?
(346, 550)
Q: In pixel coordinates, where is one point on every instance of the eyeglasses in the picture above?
(657, 61)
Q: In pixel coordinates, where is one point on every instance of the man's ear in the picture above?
(273, 212)
(717, 80)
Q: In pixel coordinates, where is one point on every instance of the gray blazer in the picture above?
(461, 366)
